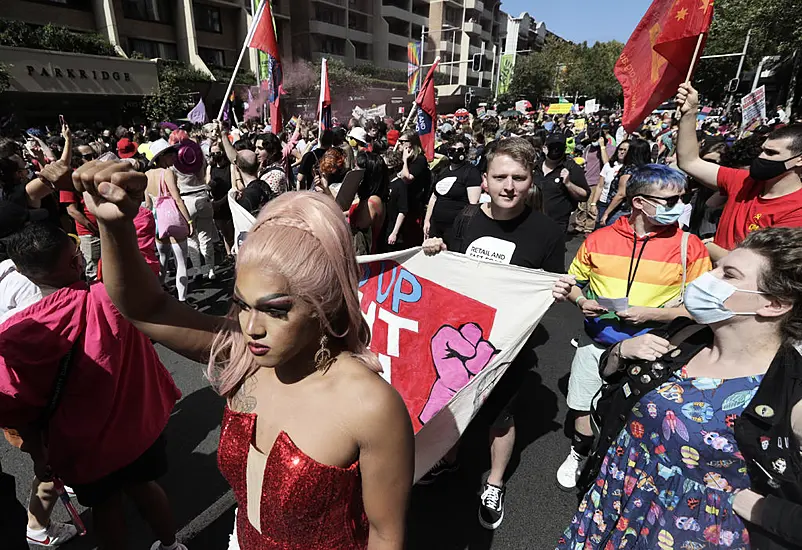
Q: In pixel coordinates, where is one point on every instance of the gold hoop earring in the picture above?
(323, 359)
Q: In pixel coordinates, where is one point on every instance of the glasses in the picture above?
(671, 201)
(403, 141)
(88, 157)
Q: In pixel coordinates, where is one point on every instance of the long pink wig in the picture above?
(303, 237)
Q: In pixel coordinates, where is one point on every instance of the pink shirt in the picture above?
(117, 398)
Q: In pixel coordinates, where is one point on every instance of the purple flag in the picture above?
(198, 113)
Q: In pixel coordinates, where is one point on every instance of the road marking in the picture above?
(207, 517)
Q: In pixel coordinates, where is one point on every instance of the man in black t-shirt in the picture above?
(507, 231)
(561, 182)
(311, 161)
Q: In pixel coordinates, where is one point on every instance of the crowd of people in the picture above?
(684, 387)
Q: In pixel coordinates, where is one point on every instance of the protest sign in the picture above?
(753, 107)
(559, 108)
(380, 111)
(591, 106)
(522, 106)
(445, 329)
(579, 124)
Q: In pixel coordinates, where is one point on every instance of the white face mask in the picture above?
(705, 297)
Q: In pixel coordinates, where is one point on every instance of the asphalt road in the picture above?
(443, 516)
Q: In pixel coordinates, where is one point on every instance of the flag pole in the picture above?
(678, 114)
(254, 23)
(415, 103)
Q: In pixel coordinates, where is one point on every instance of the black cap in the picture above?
(555, 138)
(13, 217)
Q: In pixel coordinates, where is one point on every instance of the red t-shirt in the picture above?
(746, 210)
(117, 398)
(71, 197)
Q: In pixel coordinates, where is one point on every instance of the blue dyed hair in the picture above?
(652, 177)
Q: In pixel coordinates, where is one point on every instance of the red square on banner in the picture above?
(431, 339)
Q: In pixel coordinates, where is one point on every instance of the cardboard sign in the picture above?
(559, 108)
(753, 107)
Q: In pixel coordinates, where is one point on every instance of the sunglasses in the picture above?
(670, 202)
(88, 157)
(403, 141)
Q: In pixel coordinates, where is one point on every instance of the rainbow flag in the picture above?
(414, 60)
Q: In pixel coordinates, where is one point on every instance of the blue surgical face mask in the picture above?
(705, 297)
(663, 215)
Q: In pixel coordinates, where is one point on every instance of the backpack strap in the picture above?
(684, 256)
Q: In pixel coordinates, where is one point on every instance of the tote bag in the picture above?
(169, 221)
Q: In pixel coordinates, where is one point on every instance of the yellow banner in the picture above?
(559, 108)
(579, 124)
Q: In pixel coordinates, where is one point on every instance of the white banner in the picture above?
(753, 107)
(380, 111)
(591, 106)
(445, 329)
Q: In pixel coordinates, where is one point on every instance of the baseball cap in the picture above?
(555, 139)
(126, 148)
(13, 217)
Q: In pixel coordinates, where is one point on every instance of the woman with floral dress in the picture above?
(671, 478)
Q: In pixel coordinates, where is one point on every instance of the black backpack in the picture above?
(624, 389)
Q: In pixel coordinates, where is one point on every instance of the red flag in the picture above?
(264, 38)
(659, 53)
(427, 113)
(324, 104)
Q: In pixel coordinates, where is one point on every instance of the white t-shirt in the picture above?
(608, 173)
(16, 290)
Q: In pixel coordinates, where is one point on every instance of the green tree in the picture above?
(775, 31)
(172, 99)
(566, 69)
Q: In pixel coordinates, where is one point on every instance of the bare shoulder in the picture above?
(373, 402)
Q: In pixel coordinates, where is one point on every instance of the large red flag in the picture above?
(264, 39)
(659, 53)
(427, 113)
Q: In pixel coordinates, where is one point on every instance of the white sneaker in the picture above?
(568, 472)
(56, 533)
(158, 546)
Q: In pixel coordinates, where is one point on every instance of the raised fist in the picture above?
(458, 355)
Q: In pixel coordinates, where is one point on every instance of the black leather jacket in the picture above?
(772, 453)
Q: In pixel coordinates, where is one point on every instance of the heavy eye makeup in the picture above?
(276, 305)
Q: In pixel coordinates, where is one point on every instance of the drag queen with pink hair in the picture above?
(316, 445)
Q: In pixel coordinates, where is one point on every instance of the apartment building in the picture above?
(201, 33)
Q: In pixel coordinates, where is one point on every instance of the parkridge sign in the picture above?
(70, 73)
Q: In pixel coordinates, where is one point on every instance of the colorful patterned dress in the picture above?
(667, 482)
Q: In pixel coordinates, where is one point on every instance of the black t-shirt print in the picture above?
(451, 191)
(530, 240)
(557, 201)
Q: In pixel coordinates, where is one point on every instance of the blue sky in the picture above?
(583, 20)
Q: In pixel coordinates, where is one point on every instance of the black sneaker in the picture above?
(491, 506)
(440, 468)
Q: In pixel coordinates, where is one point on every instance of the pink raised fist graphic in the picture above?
(458, 356)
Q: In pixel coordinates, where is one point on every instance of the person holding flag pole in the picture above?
(262, 36)
(642, 477)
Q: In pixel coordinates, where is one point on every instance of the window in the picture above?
(331, 45)
(358, 22)
(159, 11)
(207, 18)
(362, 50)
(151, 48)
(332, 16)
(211, 56)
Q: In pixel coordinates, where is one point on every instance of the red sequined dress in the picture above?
(299, 503)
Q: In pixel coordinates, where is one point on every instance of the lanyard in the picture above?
(632, 272)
